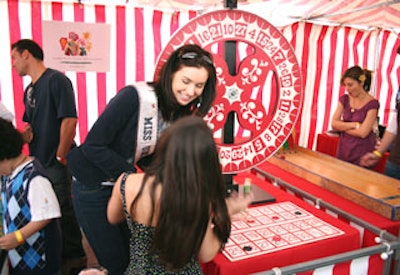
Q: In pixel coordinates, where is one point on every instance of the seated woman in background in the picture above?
(176, 211)
(355, 116)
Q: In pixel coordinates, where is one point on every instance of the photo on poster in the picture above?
(82, 47)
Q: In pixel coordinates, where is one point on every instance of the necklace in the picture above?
(352, 103)
(352, 108)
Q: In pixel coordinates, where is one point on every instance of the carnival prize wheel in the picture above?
(265, 94)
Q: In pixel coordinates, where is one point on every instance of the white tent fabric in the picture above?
(139, 33)
(360, 13)
(384, 14)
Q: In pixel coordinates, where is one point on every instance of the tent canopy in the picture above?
(384, 14)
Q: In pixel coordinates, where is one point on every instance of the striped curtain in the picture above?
(324, 53)
(139, 34)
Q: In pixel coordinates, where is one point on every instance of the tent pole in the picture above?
(228, 130)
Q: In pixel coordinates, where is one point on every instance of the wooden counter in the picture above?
(372, 190)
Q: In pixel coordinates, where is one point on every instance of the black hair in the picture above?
(186, 165)
(10, 140)
(31, 46)
(170, 108)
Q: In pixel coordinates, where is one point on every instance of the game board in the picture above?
(273, 227)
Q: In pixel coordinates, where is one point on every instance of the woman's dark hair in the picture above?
(10, 140)
(31, 46)
(360, 75)
(187, 166)
(190, 55)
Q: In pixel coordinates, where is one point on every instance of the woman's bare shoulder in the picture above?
(134, 180)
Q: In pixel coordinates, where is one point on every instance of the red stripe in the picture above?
(79, 16)
(36, 33)
(319, 65)
(56, 11)
(174, 25)
(82, 105)
(36, 21)
(356, 42)
(376, 265)
(304, 65)
(388, 104)
(139, 38)
(100, 12)
(366, 48)
(15, 35)
(121, 46)
(345, 64)
(342, 268)
(330, 80)
(297, 127)
(380, 77)
(157, 18)
(192, 14)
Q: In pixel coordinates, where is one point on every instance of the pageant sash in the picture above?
(147, 121)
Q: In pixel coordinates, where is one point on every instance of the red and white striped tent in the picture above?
(327, 37)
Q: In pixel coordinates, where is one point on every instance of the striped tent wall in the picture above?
(138, 35)
(324, 53)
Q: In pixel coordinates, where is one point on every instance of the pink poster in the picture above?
(79, 47)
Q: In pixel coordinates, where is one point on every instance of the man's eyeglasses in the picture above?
(193, 55)
(29, 96)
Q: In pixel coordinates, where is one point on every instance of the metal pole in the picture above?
(228, 131)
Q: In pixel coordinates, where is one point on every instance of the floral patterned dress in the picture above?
(141, 260)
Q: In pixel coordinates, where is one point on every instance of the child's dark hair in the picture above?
(10, 140)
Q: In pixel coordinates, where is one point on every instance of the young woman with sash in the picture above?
(124, 137)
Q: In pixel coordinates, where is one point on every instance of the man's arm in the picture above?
(67, 135)
(370, 159)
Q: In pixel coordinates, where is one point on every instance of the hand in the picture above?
(98, 270)
(369, 160)
(8, 241)
(62, 160)
(27, 134)
(238, 204)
